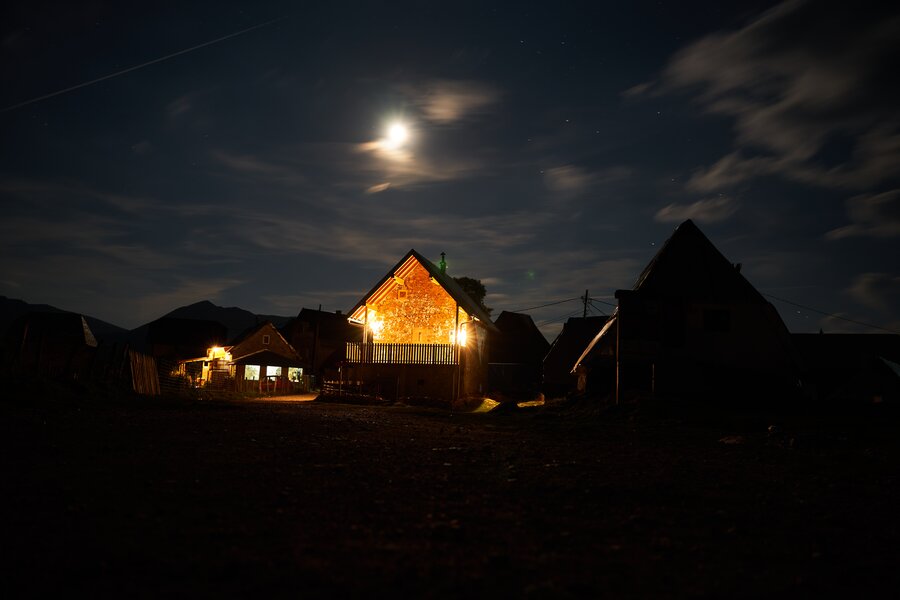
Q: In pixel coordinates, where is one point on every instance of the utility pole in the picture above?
(586, 299)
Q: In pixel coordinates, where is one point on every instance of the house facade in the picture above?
(259, 360)
(419, 335)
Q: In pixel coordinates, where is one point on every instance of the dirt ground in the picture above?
(140, 499)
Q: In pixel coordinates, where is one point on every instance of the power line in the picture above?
(604, 302)
(544, 305)
(828, 314)
(597, 308)
(556, 319)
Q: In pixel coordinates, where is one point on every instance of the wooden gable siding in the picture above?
(254, 343)
(416, 311)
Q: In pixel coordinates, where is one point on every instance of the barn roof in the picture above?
(520, 341)
(401, 269)
(690, 267)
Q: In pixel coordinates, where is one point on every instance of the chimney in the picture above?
(443, 264)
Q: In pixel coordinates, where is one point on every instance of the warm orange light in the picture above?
(461, 336)
(376, 326)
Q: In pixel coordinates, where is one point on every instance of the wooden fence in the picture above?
(402, 354)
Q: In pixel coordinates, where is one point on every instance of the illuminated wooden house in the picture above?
(260, 359)
(419, 335)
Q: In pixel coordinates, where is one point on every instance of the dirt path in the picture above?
(287, 498)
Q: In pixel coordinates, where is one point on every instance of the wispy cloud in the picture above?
(794, 83)
(880, 291)
(872, 215)
(709, 210)
(448, 101)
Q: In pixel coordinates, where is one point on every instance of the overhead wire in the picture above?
(828, 314)
(545, 305)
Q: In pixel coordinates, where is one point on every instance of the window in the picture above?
(265, 340)
(295, 373)
(251, 372)
(273, 371)
(402, 293)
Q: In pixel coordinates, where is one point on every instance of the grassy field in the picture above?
(139, 499)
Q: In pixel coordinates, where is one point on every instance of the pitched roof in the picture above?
(689, 266)
(404, 266)
(519, 341)
(287, 350)
(569, 344)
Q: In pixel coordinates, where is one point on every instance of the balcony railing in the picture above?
(402, 354)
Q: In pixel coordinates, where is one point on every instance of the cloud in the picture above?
(179, 106)
(272, 171)
(446, 102)
(379, 187)
(872, 215)
(568, 181)
(879, 291)
(710, 210)
(800, 80)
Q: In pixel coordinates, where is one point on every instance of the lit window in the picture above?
(273, 371)
(295, 373)
(251, 372)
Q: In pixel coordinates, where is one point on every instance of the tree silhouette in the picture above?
(475, 289)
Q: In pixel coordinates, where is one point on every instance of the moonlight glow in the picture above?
(397, 135)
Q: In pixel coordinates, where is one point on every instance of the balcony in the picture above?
(402, 354)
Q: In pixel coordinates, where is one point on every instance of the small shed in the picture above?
(57, 344)
(516, 355)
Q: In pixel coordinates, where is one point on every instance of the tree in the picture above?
(475, 290)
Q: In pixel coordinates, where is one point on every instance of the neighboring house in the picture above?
(692, 325)
(419, 335)
(842, 367)
(259, 359)
(320, 338)
(516, 355)
(576, 334)
(57, 344)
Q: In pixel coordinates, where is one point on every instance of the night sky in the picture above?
(552, 147)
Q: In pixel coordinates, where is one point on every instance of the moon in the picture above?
(397, 135)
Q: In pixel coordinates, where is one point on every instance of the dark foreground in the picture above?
(276, 499)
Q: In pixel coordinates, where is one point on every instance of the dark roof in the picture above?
(445, 281)
(57, 326)
(520, 341)
(689, 266)
(269, 358)
(570, 343)
(329, 323)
